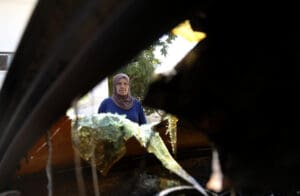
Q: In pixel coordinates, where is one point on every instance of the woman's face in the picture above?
(122, 87)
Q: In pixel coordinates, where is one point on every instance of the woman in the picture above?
(121, 102)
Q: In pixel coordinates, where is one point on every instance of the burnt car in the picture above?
(238, 87)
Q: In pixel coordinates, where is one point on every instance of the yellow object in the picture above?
(185, 30)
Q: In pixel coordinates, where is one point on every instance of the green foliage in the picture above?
(165, 43)
(141, 68)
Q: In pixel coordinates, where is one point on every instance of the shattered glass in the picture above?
(106, 135)
(172, 131)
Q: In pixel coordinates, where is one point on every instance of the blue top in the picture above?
(135, 114)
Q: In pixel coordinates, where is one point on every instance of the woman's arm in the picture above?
(142, 117)
(103, 107)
